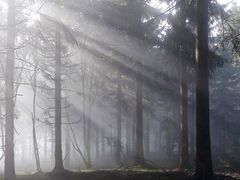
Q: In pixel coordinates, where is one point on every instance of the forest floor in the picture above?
(118, 175)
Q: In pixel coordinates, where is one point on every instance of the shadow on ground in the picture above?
(115, 175)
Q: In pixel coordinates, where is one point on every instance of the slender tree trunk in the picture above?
(86, 122)
(159, 142)
(2, 130)
(168, 145)
(147, 138)
(111, 140)
(3, 140)
(184, 160)
(184, 118)
(139, 157)
(133, 134)
(88, 141)
(67, 138)
(193, 124)
(115, 141)
(97, 142)
(35, 144)
(9, 93)
(103, 143)
(128, 139)
(58, 127)
(67, 147)
(119, 119)
(192, 135)
(204, 169)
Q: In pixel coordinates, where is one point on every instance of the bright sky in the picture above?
(227, 1)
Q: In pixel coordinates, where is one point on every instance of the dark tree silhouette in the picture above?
(58, 132)
(184, 160)
(203, 148)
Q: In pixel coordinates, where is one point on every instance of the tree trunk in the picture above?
(128, 139)
(111, 140)
(67, 138)
(97, 142)
(58, 127)
(2, 131)
(147, 138)
(9, 93)
(35, 144)
(103, 142)
(204, 169)
(88, 141)
(133, 133)
(184, 160)
(159, 139)
(139, 157)
(193, 124)
(86, 122)
(168, 145)
(119, 120)
(67, 147)
(184, 118)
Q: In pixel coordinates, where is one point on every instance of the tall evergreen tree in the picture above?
(204, 169)
(58, 115)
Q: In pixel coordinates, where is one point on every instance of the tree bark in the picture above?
(67, 138)
(9, 93)
(35, 144)
(139, 156)
(86, 122)
(58, 125)
(184, 160)
(203, 146)
(97, 142)
(128, 139)
(112, 140)
(147, 138)
(103, 143)
(159, 139)
(133, 133)
(88, 141)
(119, 119)
(67, 147)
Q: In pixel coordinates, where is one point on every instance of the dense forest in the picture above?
(119, 89)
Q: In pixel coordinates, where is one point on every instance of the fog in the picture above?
(111, 85)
